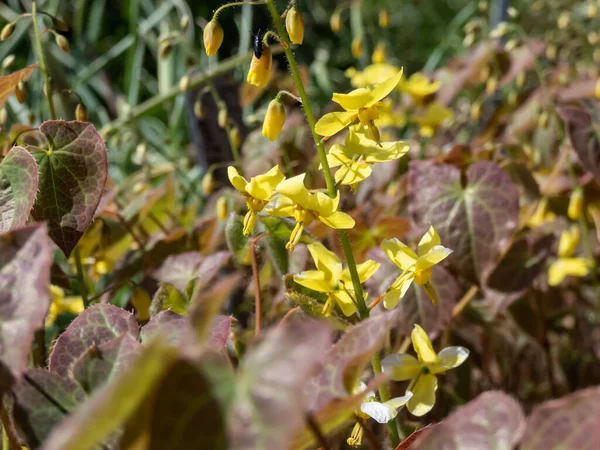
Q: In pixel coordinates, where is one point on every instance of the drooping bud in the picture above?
(62, 42)
(234, 135)
(184, 83)
(198, 108)
(81, 113)
(59, 25)
(7, 62)
(184, 22)
(20, 92)
(384, 18)
(223, 117)
(575, 209)
(7, 31)
(222, 208)
(294, 24)
(3, 116)
(336, 21)
(213, 37)
(378, 56)
(597, 90)
(357, 47)
(260, 68)
(274, 120)
(208, 183)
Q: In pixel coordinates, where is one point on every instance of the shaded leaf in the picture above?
(100, 364)
(278, 254)
(112, 404)
(42, 400)
(237, 243)
(9, 82)
(179, 270)
(25, 260)
(281, 228)
(168, 298)
(18, 188)
(493, 421)
(570, 422)
(476, 220)
(72, 174)
(267, 409)
(584, 139)
(93, 327)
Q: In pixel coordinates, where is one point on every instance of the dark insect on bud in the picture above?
(258, 44)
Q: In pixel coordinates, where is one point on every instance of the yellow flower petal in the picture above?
(398, 290)
(334, 122)
(430, 291)
(563, 267)
(569, 241)
(428, 241)
(336, 156)
(367, 269)
(434, 256)
(399, 253)
(326, 261)
(422, 345)
(282, 207)
(238, 181)
(423, 397)
(294, 189)
(321, 203)
(401, 367)
(338, 220)
(383, 89)
(353, 172)
(315, 280)
(354, 100)
(345, 302)
(449, 358)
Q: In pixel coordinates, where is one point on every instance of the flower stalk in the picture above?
(43, 67)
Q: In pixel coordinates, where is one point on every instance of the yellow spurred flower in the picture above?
(274, 119)
(331, 279)
(371, 75)
(260, 68)
(259, 190)
(422, 371)
(360, 104)
(359, 153)
(213, 37)
(305, 206)
(294, 24)
(575, 209)
(415, 267)
(418, 86)
(435, 116)
(61, 304)
(541, 215)
(566, 265)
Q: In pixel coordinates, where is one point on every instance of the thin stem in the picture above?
(8, 432)
(287, 315)
(384, 396)
(222, 105)
(39, 352)
(40, 50)
(255, 274)
(262, 2)
(81, 275)
(316, 431)
(290, 95)
(375, 302)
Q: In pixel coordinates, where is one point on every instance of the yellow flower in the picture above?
(61, 304)
(213, 37)
(384, 18)
(305, 206)
(331, 279)
(294, 24)
(541, 215)
(371, 75)
(357, 47)
(388, 117)
(422, 371)
(274, 119)
(360, 104)
(435, 115)
(358, 154)
(259, 190)
(418, 86)
(597, 90)
(260, 68)
(566, 265)
(575, 204)
(378, 56)
(415, 267)
(336, 21)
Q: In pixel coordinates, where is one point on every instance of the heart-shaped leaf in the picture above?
(93, 327)
(18, 188)
(476, 220)
(584, 138)
(25, 260)
(72, 167)
(179, 270)
(9, 82)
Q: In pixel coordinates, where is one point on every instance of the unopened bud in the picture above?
(60, 25)
(294, 24)
(62, 42)
(208, 183)
(184, 22)
(384, 18)
(223, 117)
(81, 113)
(575, 209)
(593, 38)
(483, 5)
(184, 83)
(198, 109)
(336, 21)
(222, 208)
(520, 81)
(491, 85)
(31, 117)
(357, 47)
(274, 120)
(3, 115)
(20, 92)
(7, 62)
(378, 56)
(513, 12)
(234, 135)
(7, 31)
(213, 37)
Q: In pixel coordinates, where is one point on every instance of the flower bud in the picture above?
(357, 47)
(569, 241)
(294, 24)
(543, 119)
(7, 31)
(208, 183)
(274, 120)
(141, 302)
(81, 113)
(3, 115)
(184, 22)
(384, 18)
(20, 92)
(184, 83)
(198, 109)
(223, 117)
(336, 21)
(575, 209)
(521, 79)
(7, 62)
(59, 25)
(260, 68)
(563, 20)
(164, 50)
(213, 37)
(222, 208)
(234, 136)
(62, 42)
(491, 85)
(378, 56)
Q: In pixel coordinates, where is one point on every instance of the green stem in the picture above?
(81, 276)
(222, 105)
(384, 396)
(262, 2)
(40, 50)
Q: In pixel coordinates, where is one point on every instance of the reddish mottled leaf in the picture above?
(407, 444)
(42, 400)
(179, 270)
(95, 326)
(100, 364)
(9, 82)
(25, 260)
(72, 174)
(493, 421)
(584, 138)
(345, 361)
(570, 422)
(18, 188)
(267, 411)
(476, 220)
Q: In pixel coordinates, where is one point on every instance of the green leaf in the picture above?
(570, 422)
(168, 298)
(278, 254)
(477, 220)
(72, 175)
(42, 400)
(236, 241)
(281, 228)
(25, 261)
(18, 188)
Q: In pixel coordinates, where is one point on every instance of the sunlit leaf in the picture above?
(9, 82)
(18, 188)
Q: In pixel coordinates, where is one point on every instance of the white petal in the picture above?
(400, 367)
(381, 412)
(449, 358)
(399, 401)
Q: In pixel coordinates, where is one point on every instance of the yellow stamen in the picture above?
(295, 236)
(355, 438)
(422, 277)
